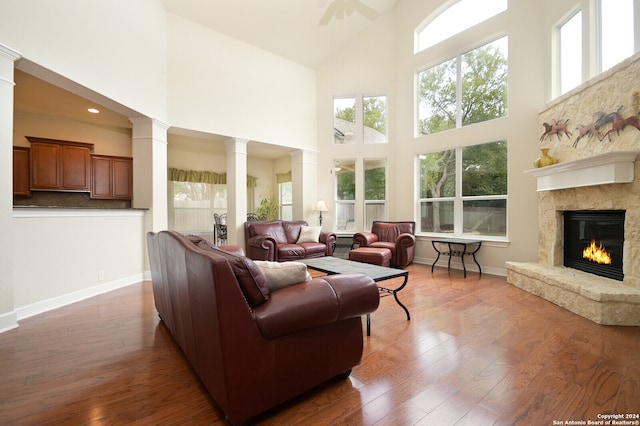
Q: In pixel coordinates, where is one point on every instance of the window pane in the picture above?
(436, 216)
(375, 179)
(375, 119)
(484, 83)
(438, 174)
(192, 205)
(485, 217)
(374, 210)
(345, 179)
(286, 200)
(571, 53)
(484, 169)
(457, 18)
(437, 98)
(345, 216)
(344, 120)
(617, 31)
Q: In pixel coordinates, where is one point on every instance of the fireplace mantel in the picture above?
(611, 167)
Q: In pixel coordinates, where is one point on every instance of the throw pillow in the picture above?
(283, 274)
(309, 234)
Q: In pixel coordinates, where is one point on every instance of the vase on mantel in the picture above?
(545, 159)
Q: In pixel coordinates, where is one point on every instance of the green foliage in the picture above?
(484, 169)
(375, 183)
(375, 113)
(484, 90)
(346, 185)
(269, 206)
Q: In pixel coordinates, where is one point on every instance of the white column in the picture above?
(8, 57)
(150, 171)
(304, 177)
(236, 189)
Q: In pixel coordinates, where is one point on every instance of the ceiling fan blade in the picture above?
(328, 14)
(365, 10)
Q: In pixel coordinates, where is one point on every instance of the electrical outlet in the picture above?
(100, 275)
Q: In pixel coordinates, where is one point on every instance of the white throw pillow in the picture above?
(309, 234)
(283, 274)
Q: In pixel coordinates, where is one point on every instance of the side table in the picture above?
(456, 247)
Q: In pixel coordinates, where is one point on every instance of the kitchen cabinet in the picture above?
(60, 165)
(111, 177)
(21, 187)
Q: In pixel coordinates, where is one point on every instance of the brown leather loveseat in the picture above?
(254, 348)
(281, 240)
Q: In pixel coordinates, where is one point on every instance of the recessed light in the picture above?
(94, 111)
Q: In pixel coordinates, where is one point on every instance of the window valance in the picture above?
(283, 177)
(205, 176)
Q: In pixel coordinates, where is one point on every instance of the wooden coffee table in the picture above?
(334, 265)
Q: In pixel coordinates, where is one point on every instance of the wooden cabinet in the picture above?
(112, 177)
(60, 165)
(21, 187)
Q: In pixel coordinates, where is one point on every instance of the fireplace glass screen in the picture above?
(593, 242)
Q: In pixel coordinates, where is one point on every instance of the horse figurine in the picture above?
(588, 131)
(620, 123)
(555, 128)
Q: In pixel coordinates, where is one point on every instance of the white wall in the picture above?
(60, 255)
(382, 62)
(115, 48)
(220, 85)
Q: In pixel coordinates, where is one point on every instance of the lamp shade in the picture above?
(321, 206)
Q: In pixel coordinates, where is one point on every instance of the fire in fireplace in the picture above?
(594, 242)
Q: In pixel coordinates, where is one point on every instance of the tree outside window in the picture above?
(375, 191)
(345, 196)
(463, 191)
(468, 89)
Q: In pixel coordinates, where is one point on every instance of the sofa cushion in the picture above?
(309, 234)
(292, 230)
(269, 229)
(252, 281)
(283, 274)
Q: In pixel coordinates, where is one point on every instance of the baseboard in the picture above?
(8, 321)
(76, 296)
(456, 264)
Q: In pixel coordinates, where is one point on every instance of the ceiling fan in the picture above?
(343, 8)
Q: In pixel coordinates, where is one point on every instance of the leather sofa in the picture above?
(253, 348)
(278, 241)
(398, 237)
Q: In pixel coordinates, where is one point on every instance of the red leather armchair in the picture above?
(399, 237)
(253, 348)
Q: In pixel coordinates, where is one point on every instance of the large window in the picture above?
(345, 195)
(286, 200)
(370, 126)
(614, 40)
(463, 191)
(570, 53)
(467, 89)
(460, 16)
(375, 191)
(194, 204)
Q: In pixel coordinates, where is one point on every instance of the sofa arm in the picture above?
(406, 240)
(261, 247)
(317, 302)
(329, 239)
(363, 239)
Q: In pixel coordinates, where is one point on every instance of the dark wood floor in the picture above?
(477, 351)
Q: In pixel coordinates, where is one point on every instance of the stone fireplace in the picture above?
(596, 175)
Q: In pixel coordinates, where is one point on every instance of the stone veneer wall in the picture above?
(600, 299)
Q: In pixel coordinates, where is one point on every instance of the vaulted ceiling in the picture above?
(304, 31)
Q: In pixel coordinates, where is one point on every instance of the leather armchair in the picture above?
(277, 241)
(399, 237)
(251, 347)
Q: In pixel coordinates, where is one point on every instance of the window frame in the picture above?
(459, 199)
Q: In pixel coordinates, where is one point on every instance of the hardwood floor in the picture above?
(476, 351)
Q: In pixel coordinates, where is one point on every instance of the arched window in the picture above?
(456, 18)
